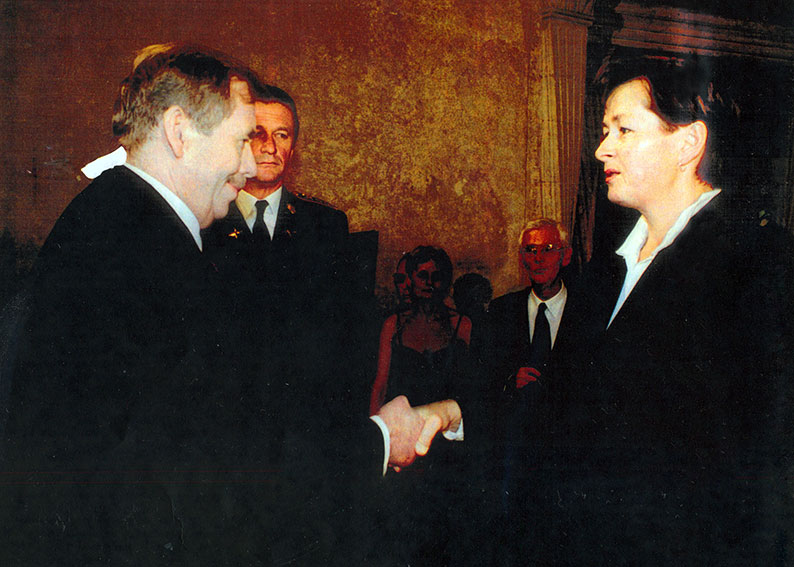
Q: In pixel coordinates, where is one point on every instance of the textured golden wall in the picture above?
(414, 114)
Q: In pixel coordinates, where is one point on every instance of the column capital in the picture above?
(573, 11)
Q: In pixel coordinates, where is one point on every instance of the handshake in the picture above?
(412, 429)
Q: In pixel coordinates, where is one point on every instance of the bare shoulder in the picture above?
(388, 330)
(390, 324)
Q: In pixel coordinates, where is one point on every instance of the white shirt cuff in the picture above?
(456, 435)
(386, 440)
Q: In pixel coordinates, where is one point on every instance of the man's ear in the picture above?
(175, 124)
(567, 255)
(693, 144)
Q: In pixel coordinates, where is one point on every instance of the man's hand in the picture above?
(412, 429)
(439, 416)
(405, 426)
(525, 375)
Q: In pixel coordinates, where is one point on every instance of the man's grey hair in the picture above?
(538, 223)
(194, 78)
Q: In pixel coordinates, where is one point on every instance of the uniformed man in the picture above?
(285, 255)
(131, 437)
(279, 239)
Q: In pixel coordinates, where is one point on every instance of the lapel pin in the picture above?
(235, 233)
(290, 208)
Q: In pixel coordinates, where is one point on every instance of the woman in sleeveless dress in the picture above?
(424, 355)
(422, 348)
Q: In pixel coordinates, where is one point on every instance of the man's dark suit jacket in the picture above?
(507, 324)
(306, 251)
(304, 280)
(507, 328)
(502, 346)
(664, 432)
(301, 277)
(133, 433)
(502, 434)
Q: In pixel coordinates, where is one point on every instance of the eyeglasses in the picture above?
(545, 249)
(400, 278)
(433, 277)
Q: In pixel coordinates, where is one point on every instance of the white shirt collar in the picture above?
(631, 247)
(554, 308)
(180, 208)
(246, 204)
(108, 161)
(555, 305)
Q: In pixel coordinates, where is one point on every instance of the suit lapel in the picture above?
(236, 222)
(522, 325)
(231, 231)
(670, 260)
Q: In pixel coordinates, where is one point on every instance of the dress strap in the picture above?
(453, 345)
(457, 326)
(398, 335)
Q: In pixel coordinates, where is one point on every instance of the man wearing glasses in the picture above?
(519, 332)
(524, 324)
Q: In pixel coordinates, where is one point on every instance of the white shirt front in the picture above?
(246, 203)
(631, 247)
(180, 208)
(554, 309)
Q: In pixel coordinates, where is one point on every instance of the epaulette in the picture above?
(310, 199)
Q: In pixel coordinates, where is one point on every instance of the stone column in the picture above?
(562, 27)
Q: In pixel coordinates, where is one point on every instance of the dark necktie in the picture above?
(541, 339)
(261, 234)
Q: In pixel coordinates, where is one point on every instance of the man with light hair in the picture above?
(519, 333)
(131, 436)
(526, 322)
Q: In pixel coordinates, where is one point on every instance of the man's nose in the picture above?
(247, 161)
(267, 145)
(542, 257)
(538, 260)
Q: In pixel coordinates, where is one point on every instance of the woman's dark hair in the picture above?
(403, 258)
(404, 262)
(680, 88)
(471, 293)
(422, 254)
(682, 91)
